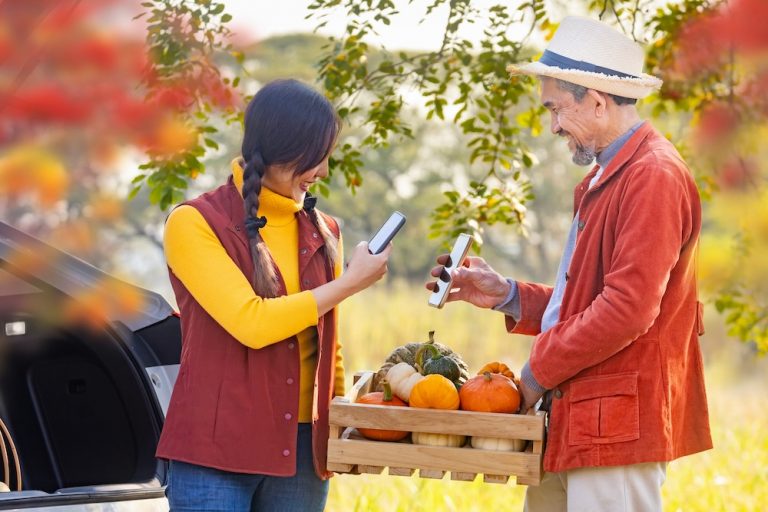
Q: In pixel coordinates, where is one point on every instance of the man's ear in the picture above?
(601, 102)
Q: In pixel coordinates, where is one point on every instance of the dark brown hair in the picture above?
(287, 123)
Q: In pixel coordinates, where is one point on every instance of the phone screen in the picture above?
(386, 232)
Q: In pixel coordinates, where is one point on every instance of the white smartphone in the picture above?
(455, 260)
(386, 233)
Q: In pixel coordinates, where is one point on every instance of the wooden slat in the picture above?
(372, 470)
(340, 468)
(463, 477)
(401, 471)
(362, 385)
(464, 460)
(486, 424)
(495, 479)
(431, 473)
(528, 480)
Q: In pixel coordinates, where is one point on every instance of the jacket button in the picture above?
(314, 235)
(306, 282)
(288, 416)
(303, 251)
(581, 225)
(289, 381)
(286, 453)
(291, 345)
(558, 393)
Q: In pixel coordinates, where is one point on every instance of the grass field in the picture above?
(732, 477)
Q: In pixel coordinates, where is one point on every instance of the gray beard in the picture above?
(583, 155)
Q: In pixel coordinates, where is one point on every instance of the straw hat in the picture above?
(590, 53)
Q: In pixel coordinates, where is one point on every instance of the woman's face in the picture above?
(283, 181)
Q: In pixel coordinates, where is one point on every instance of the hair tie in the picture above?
(254, 224)
(309, 202)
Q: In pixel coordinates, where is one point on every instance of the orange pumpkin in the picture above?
(497, 367)
(490, 392)
(382, 398)
(434, 392)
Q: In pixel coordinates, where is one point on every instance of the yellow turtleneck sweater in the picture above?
(201, 263)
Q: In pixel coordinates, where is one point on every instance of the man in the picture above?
(616, 355)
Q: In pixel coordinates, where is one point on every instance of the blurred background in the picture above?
(112, 111)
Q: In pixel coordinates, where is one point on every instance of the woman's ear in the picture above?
(601, 101)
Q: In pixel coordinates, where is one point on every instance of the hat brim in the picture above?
(628, 87)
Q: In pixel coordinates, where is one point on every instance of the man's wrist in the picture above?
(508, 297)
(526, 376)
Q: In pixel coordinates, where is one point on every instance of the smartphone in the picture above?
(386, 233)
(455, 260)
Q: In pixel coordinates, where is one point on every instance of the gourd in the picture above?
(431, 439)
(499, 367)
(407, 354)
(434, 392)
(498, 444)
(437, 363)
(382, 398)
(490, 392)
(402, 377)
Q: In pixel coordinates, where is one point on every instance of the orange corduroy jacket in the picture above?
(623, 363)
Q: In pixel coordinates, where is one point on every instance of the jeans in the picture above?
(199, 488)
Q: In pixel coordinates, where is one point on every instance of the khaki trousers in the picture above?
(633, 488)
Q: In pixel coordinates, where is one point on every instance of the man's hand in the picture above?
(475, 282)
(528, 397)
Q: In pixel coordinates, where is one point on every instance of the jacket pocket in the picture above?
(604, 409)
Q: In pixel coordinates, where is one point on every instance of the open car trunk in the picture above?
(83, 406)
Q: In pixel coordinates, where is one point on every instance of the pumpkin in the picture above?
(434, 392)
(490, 392)
(402, 377)
(497, 444)
(382, 398)
(497, 367)
(437, 363)
(407, 354)
(430, 439)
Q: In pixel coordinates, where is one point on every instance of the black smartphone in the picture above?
(386, 233)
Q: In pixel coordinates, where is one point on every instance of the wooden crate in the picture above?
(349, 452)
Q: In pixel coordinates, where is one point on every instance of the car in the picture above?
(82, 406)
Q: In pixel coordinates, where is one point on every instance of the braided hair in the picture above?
(287, 124)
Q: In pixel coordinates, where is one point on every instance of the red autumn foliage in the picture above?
(737, 174)
(707, 40)
(716, 122)
(64, 65)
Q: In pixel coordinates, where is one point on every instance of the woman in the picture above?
(256, 270)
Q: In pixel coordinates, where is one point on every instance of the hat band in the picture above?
(560, 61)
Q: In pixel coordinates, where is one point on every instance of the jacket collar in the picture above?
(615, 166)
(622, 156)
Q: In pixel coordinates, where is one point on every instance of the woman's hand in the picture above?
(474, 282)
(363, 270)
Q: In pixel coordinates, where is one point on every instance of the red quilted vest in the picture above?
(232, 407)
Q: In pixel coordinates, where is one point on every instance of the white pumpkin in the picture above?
(430, 439)
(498, 444)
(402, 377)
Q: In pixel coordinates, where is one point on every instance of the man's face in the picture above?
(571, 119)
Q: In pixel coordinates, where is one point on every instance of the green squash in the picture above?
(437, 363)
(407, 354)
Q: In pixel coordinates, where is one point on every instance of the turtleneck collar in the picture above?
(278, 209)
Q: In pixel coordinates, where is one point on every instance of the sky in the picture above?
(259, 19)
